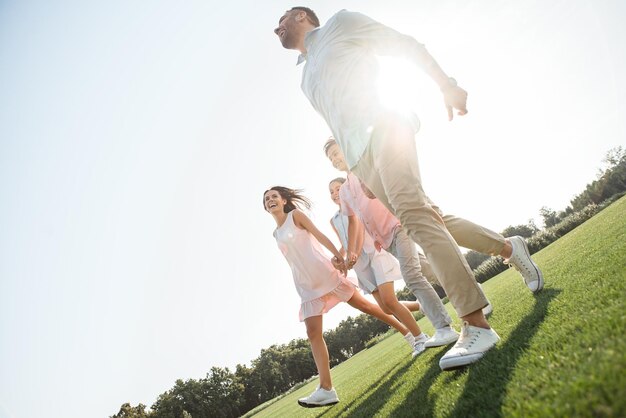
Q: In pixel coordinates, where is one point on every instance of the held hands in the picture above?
(339, 264)
(454, 97)
(351, 259)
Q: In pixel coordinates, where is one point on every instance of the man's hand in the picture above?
(454, 97)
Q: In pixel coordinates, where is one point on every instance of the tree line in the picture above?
(279, 368)
(224, 393)
(609, 185)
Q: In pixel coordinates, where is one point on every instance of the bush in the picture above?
(542, 239)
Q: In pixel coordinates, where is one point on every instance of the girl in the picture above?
(321, 283)
(376, 270)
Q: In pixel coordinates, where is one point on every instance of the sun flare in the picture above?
(398, 83)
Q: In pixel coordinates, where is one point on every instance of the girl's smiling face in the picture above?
(333, 188)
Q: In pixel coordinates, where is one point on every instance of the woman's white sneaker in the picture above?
(472, 345)
(319, 397)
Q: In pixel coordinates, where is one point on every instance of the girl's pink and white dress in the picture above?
(320, 285)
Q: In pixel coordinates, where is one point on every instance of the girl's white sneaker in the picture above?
(319, 397)
(418, 345)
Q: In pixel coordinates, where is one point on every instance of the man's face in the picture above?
(336, 158)
(288, 29)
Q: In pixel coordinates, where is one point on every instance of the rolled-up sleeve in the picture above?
(346, 209)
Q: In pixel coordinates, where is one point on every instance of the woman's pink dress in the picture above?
(320, 285)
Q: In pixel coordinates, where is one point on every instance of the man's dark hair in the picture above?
(310, 14)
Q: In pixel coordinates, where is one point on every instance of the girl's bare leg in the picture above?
(359, 302)
(411, 305)
(388, 296)
(319, 349)
(380, 302)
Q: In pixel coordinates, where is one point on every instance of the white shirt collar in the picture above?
(308, 41)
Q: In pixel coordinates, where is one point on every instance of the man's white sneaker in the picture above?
(472, 345)
(418, 345)
(319, 397)
(521, 261)
(443, 336)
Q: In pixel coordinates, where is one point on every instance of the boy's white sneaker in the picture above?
(443, 336)
(319, 397)
(521, 261)
(418, 345)
(472, 345)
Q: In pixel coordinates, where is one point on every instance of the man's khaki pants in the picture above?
(390, 169)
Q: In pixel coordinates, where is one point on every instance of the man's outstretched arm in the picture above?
(385, 41)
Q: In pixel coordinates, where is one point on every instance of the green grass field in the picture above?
(562, 354)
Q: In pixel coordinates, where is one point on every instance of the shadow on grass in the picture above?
(376, 395)
(486, 385)
(487, 380)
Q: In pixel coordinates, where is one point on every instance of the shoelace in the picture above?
(520, 263)
(419, 343)
(515, 265)
(466, 339)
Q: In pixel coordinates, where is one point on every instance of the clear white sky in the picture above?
(137, 137)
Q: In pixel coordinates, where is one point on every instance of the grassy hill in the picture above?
(563, 351)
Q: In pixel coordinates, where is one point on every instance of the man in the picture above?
(339, 79)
